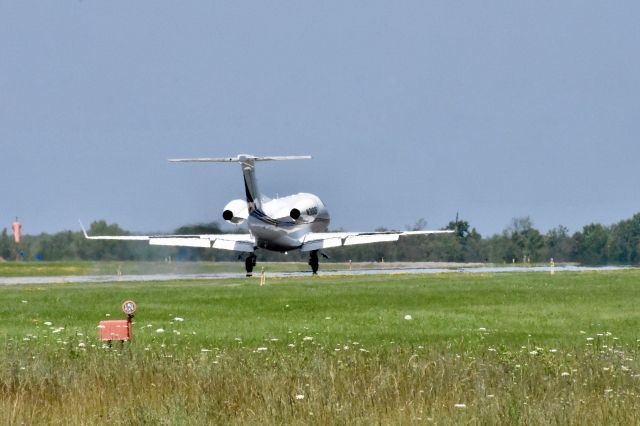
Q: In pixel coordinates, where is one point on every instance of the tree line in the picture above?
(519, 242)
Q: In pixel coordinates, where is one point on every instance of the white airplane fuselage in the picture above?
(274, 227)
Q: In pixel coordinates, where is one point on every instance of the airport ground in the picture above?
(487, 348)
(82, 268)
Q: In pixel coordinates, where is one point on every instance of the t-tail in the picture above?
(248, 163)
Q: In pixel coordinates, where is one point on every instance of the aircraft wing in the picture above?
(233, 242)
(325, 240)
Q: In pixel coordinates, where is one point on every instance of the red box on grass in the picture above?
(115, 330)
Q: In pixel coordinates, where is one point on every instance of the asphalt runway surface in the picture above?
(226, 275)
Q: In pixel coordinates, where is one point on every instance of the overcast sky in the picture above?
(413, 109)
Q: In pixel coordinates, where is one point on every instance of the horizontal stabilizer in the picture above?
(239, 159)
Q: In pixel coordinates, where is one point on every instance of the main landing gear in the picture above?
(250, 263)
(314, 262)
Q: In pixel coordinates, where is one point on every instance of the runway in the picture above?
(230, 275)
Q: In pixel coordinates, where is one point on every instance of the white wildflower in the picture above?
(262, 348)
(81, 345)
(299, 396)
(460, 405)
(160, 330)
(564, 374)
(307, 338)
(205, 350)
(47, 323)
(482, 329)
(179, 319)
(408, 317)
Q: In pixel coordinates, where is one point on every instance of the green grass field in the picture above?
(21, 269)
(508, 348)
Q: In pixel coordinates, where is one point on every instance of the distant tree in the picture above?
(590, 245)
(420, 225)
(624, 239)
(559, 244)
(526, 240)
(6, 245)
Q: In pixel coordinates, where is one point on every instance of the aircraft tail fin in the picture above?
(247, 162)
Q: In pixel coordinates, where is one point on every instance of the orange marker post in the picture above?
(17, 235)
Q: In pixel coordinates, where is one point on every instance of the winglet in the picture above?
(84, 231)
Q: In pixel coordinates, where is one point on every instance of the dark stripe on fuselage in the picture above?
(262, 217)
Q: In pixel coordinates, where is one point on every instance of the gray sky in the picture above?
(414, 109)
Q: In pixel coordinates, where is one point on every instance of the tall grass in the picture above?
(309, 384)
(477, 349)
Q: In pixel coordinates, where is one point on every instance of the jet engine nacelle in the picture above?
(235, 212)
(306, 209)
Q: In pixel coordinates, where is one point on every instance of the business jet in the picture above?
(295, 222)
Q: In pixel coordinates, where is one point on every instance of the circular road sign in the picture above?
(129, 307)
